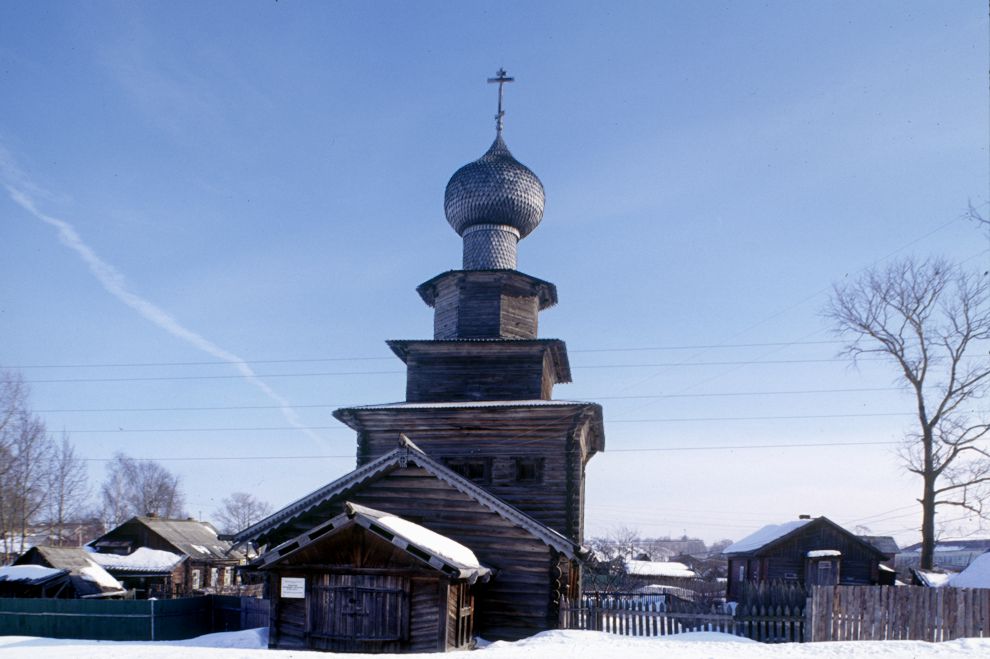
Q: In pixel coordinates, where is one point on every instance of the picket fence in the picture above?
(832, 613)
(640, 617)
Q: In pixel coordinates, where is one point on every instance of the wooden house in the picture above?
(168, 557)
(488, 459)
(368, 581)
(805, 551)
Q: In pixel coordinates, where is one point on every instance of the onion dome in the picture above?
(495, 189)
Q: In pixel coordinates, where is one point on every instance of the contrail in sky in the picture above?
(115, 284)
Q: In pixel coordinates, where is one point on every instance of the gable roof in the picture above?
(194, 538)
(88, 578)
(408, 453)
(438, 551)
(884, 543)
(198, 540)
(766, 535)
(773, 534)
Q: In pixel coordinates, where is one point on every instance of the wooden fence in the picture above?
(638, 617)
(130, 620)
(832, 613)
(867, 613)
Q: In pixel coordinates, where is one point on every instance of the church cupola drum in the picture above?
(493, 202)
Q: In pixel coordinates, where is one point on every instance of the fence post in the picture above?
(152, 602)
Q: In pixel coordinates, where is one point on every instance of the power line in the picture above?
(166, 378)
(728, 447)
(790, 417)
(589, 399)
(793, 417)
(302, 360)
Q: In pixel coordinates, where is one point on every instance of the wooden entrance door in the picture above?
(352, 610)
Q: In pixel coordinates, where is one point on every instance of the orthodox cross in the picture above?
(501, 80)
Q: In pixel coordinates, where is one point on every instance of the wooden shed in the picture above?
(803, 551)
(368, 581)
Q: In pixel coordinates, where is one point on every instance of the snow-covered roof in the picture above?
(823, 553)
(977, 575)
(932, 579)
(28, 573)
(141, 559)
(765, 536)
(431, 541)
(438, 551)
(96, 574)
(671, 569)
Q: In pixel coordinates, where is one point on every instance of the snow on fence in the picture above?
(635, 616)
(882, 613)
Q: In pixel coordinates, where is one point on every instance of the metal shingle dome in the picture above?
(495, 189)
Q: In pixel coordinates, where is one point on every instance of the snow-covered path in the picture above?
(556, 644)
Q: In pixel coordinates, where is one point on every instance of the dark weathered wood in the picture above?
(365, 595)
(562, 437)
(482, 370)
(851, 613)
(494, 304)
(786, 560)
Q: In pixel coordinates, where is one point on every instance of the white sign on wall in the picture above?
(294, 587)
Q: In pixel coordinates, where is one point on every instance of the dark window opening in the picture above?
(477, 470)
(529, 470)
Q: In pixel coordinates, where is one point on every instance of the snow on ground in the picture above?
(251, 644)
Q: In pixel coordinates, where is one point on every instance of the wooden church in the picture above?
(478, 474)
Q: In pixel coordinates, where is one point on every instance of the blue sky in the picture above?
(265, 181)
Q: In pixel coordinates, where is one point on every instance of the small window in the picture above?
(478, 470)
(213, 577)
(529, 470)
(196, 580)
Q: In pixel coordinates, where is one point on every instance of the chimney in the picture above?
(804, 516)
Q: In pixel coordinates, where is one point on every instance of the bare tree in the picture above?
(973, 215)
(608, 567)
(140, 487)
(239, 511)
(25, 451)
(68, 490)
(932, 320)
